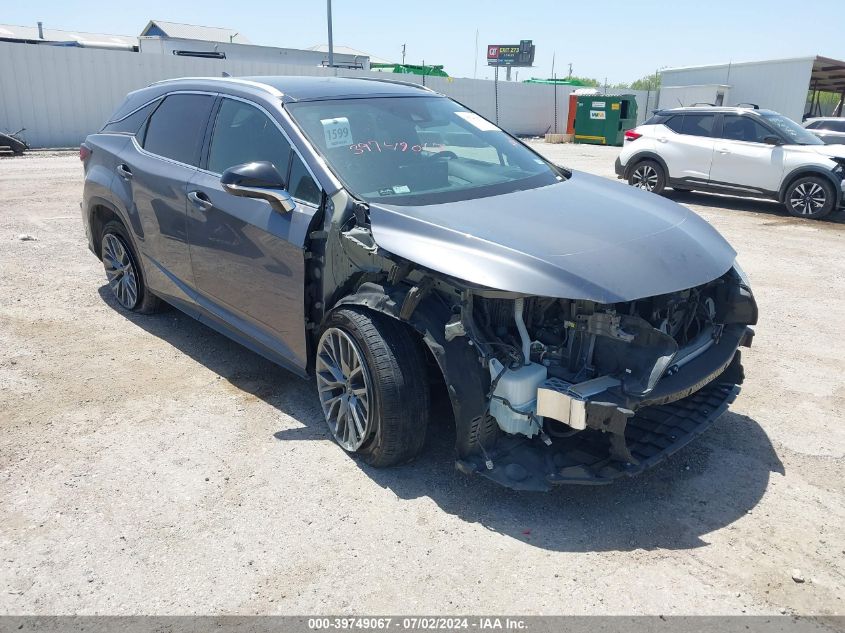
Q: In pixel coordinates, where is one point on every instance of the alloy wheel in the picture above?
(807, 198)
(645, 177)
(343, 384)
(120, 271)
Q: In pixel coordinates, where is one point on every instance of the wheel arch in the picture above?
(101, 212)
(639, 157)
(811, 170)
(457, 360)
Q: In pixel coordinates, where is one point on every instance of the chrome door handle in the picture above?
(200, 200)
(723, 150)
(663, 140)
(124, 171)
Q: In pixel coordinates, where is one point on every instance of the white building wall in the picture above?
(779, 85)
(60, 95)
(249, 52)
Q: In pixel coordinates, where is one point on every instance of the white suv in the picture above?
(739, 151)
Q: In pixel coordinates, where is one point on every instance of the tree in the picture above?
(586, 81)
(649, 82)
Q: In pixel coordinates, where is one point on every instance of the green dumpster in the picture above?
(604, 119)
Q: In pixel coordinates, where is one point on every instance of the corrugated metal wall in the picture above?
(60, 95)
(779, 85)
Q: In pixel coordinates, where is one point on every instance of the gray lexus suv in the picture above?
(389, 243)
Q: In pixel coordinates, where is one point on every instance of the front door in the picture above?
(247, 258)
(742, 160)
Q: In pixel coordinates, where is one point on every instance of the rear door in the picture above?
(248, 259)
(687, 146)
(742, 159)
(153, 172)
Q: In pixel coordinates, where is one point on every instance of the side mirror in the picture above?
(258, 180)
(772, 140)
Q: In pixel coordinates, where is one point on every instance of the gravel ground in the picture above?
(150, 466)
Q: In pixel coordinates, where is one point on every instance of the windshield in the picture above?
(418, 150)
(792, 131)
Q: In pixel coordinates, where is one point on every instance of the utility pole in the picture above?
(569, 76)
(403, 54)
(329, 20)
(475, 70)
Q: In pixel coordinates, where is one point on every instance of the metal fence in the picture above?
(60, 95)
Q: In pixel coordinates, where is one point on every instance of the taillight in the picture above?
(632, 135)
(84, 152)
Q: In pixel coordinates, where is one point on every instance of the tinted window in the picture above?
(301, 184)
(243, 134)
(833, 126)
(814, 125)
(698, 124)
(743, 128)
(176, 128)
(675, 123)
(656, 119)
(132, 123)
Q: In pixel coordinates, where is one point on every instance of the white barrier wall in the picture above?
(60, 95)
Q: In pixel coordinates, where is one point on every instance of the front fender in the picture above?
(457, 360)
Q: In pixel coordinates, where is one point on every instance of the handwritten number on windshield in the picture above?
(396, 146)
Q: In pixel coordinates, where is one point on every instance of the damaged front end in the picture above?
(586, 393)
(549, 390)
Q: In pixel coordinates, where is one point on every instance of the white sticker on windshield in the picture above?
(401, 189)
(482, 124)
(337, 132)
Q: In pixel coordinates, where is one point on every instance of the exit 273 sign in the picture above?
(521, 54)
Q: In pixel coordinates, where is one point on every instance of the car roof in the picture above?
(716, 109)
(300, 88)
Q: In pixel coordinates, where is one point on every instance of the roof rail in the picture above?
(246, 82)
(703, 103)
(396, 81)
(745, 103)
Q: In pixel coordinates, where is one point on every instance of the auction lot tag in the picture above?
(473, 119)
(337, 132)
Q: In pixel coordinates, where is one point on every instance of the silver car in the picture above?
(831, 130)
(391, 244)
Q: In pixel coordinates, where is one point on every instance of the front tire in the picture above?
(810, 197)
(648, 175)
(124, 274)
(372, 384)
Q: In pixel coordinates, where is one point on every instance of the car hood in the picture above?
(834, 151)
(584, 238)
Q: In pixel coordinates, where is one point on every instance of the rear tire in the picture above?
(123, 271)
(811, 197)
(373, 386)
(648, 175)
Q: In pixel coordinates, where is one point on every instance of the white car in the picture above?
(831, 130)
(738, 151)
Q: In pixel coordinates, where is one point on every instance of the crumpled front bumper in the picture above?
(679, 410)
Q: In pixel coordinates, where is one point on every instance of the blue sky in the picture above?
(617, 40)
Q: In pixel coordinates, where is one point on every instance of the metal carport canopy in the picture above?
(828, 75)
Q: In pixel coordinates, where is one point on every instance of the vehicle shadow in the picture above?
(710, 484)
(749, 205)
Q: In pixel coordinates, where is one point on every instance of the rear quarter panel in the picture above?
(99, 177)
